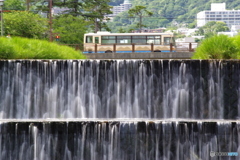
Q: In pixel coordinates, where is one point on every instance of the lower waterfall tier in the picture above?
(121, 140)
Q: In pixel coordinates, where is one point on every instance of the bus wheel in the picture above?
(108, 51)
(157, 50)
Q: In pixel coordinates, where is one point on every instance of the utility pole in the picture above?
(28, 4)
(96, 25)
(1, 21)
(50, 21)
(1, 5)
(96, 21)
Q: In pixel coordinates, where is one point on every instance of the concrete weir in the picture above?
(119, 109)
(137, 55)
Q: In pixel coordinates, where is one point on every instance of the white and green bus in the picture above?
(106, 42)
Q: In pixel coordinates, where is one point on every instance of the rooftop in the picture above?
(126, 2)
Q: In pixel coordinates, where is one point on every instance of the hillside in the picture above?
(167, 13)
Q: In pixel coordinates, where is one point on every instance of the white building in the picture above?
(118, 9)
(58, 10)
(235, 28)
(186, 31)
(230, 34)
(218, 12)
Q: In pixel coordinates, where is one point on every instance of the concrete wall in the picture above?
(152, 55)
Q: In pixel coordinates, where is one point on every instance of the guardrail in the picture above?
(186, 46)
(139, 55)
(177, 47)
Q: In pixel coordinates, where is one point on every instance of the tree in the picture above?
(211, 28)
(25, 24)
(14, 5)
(184, 11)
(139, 11)
(193, 24)
(95, 11)
(70, 29)
(74, 6)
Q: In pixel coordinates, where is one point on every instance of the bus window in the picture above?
(108, 39)
(123, 39)
(89, 39)
(154, 39)
(139, 39)
(167, 40)
(96, 39)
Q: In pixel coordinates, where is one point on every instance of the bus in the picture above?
(106, 42)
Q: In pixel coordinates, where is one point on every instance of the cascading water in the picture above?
(119, 89)
(140, 140)
(121, 109)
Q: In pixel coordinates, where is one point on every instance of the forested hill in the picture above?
(168, 11)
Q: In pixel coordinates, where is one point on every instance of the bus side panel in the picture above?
(143, 48)
(123, 48)
(89, 48)
(105, 48)
(162, 48)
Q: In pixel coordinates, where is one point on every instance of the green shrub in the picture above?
(23, 48)
(217, 47)
(236, 42)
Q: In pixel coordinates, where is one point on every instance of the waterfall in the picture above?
(107, 140)
(119, 109)
(119, 89)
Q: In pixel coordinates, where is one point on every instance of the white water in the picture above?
(112, 89)
(124, 109)
(142, 140)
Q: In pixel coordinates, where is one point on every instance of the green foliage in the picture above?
(218, 47)
(70, 29)
(119, 23)
(25, 24)
(164, 12)
(236, 42)
(211, 28)
(181, 11)
(74, 6)
(192, 25)
(23, 48)
(95, 11)
(14, 5)
(121, 30)
(139, 11)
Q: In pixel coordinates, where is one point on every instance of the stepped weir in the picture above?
(119, 109)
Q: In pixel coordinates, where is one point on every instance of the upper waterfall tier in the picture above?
(106, 89)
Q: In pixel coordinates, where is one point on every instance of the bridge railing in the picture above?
(186, 46)
(176, 47)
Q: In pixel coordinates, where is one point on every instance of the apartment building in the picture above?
(218, 12)
(118, 9)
